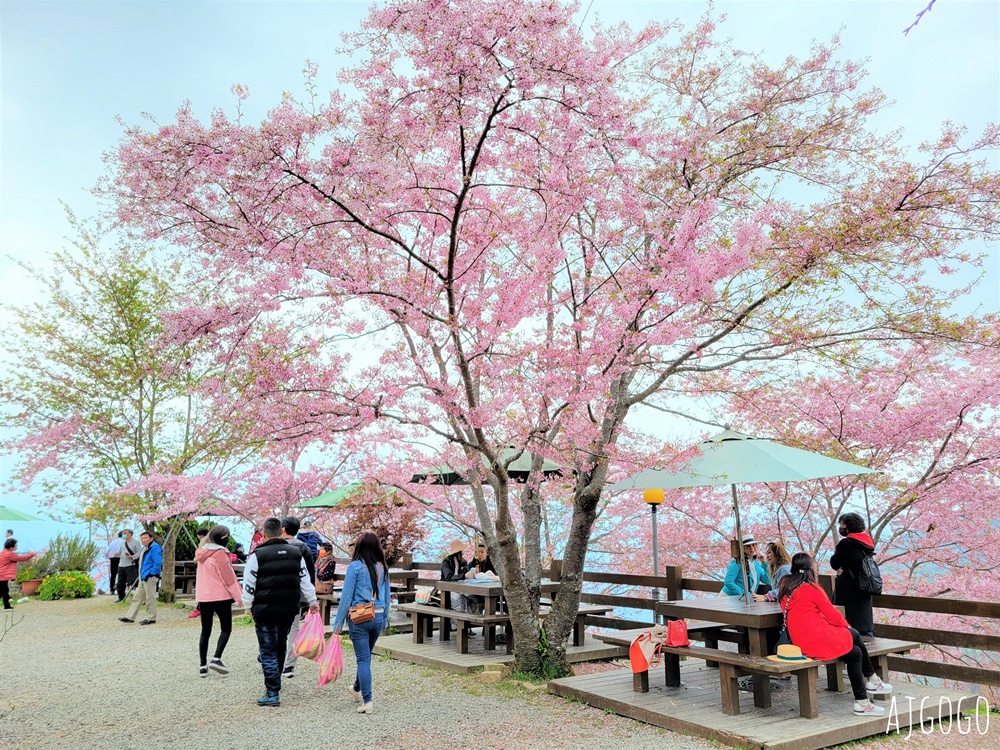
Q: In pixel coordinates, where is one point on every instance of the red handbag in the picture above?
(677, 633)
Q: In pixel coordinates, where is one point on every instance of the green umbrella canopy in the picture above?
(333, 498)
(734, 458)
(518, 470)
(9, 514)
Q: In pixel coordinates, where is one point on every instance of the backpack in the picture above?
(869, 576)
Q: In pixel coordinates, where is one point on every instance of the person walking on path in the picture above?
(852, 549)
(128, 563)
(216, 588)
(289, 532)
(274, 581)
(201, 535)
(113, 555)
(816, 627)
(311, 538)
(150, 570)
(8, 567)
(366, 580)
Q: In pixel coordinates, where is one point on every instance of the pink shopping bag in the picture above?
(310, 639)
(331, 664)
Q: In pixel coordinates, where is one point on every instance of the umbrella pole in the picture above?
(656, 560)
(739, 542)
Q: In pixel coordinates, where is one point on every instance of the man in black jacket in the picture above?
(274, 580)
(854, 546)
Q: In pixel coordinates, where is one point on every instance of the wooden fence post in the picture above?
(555, 570)
(674, 576)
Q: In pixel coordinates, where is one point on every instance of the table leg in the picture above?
(462, 637)
(508, 629)
(490, 636)
(761, 682)
(579, 630)
(807, 692)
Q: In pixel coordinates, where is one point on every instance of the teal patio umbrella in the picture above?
(333, 498)
(9, 514)
(734, 458)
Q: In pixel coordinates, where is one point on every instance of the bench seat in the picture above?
(733, 665)
(423, 625)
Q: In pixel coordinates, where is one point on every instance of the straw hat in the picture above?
(456, 546)
(788, 652)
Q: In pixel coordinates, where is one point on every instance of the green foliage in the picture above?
(35, 568)
(186, 538)
(72, 584)
(72, 553)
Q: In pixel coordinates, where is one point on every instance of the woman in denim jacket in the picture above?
(366, 580)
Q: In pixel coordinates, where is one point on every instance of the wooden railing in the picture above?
(672, 585)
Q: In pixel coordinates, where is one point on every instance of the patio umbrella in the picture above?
(518, 470)
(9, 514)
(334, 498)
(734, 458)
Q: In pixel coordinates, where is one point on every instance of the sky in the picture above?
(70, 69)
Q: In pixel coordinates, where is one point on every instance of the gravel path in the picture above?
(73, 676)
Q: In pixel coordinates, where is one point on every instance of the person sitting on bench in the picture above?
(816, 627)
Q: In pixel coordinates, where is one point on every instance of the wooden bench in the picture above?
(580, 624)
(733, 665)
(425, 614)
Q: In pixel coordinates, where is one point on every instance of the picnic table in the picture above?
(494, 613)
(401, 583)
(756, 617)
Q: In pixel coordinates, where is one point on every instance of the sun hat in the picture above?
(789, 652)
(748, 540)
(456, 546)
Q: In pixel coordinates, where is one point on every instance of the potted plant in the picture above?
(31, 573)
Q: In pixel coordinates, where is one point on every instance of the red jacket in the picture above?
(814, 625)
(8, 563)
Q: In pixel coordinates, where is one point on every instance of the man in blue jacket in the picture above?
(150, 571)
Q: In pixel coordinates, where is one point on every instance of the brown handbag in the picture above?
(324, 587)
(365, 612)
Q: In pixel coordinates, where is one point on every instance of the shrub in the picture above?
(72, 553)
(35, 568)
(72, 584)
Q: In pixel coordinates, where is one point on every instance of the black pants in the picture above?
(5, 593)
(126, 577)
(859, 666)
(113, 574)
(225, 612)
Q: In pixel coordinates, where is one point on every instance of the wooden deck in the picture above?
(696, 708)
(434, 652)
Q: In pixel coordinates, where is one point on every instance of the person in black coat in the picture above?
(854, 546)
(454, 568)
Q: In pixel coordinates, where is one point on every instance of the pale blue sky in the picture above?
(69, 68)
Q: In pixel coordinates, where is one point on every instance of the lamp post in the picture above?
(653, 498)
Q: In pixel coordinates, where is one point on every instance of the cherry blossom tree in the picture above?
(98, 400)
(536, 229)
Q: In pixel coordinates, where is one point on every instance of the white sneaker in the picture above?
(867, 708)
(875, 686)
(356, 694)
(369, 708)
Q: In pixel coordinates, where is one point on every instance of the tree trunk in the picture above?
(168, 586)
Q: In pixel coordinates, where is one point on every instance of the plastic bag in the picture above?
(310, 639)
(331, 664)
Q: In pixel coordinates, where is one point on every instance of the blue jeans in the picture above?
(271, 640)
(363, 637)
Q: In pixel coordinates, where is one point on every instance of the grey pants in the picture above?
(290, 657)
(145, 593)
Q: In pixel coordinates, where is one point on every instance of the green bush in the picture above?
(72, 584)
(73, 553)
(35, 568)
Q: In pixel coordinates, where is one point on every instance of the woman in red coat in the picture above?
(816, 627)
(8, 568)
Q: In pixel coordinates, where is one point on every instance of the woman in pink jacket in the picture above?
(216, 588)
(8, 568)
